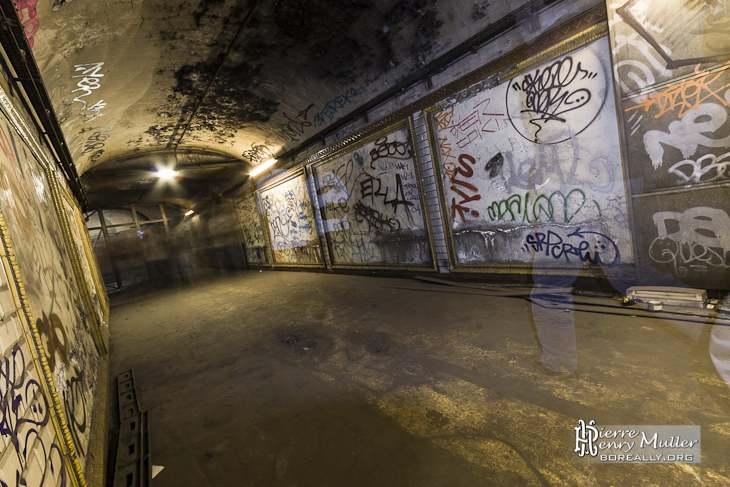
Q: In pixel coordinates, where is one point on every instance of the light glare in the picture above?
(166, 174)
(262, 167)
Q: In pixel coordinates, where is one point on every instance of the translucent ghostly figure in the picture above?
(720, 346)
(555, 322)
(332, 193)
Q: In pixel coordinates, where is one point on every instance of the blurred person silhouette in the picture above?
(554, 322)
(554, 318)
(185, 253)
(720, 343)
(157, 250)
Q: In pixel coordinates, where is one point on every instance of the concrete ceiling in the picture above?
(214, 87)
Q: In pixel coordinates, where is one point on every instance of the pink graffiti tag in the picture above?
(31, 20)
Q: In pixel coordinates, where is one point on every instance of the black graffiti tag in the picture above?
(258, 153)
(295, 127)
(554, 91)
(371, 187)
(374, 218)
(97, 140)
(55, 339)
(393, 150)
(494, 165)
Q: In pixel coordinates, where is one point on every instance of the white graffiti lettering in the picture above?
(687, 134)
(701, 241)
(90, 81)
(699, 169)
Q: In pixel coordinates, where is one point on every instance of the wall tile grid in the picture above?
(429, 186)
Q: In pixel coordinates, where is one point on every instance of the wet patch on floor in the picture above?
(378, 346)
(436, 418)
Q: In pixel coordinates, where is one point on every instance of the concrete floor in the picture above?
(304, 379)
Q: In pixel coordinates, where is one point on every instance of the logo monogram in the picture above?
(585, 436)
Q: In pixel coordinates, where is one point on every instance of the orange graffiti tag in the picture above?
(450, 169)
(444, 117)
(445, 147)
(687, 94)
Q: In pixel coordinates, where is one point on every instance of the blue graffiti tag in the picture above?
(553, 245)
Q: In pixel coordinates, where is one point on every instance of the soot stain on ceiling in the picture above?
(225, 90)
(333, 42)
(422, 17)
(345, 41)
(203, 9)
(232, 101)
(336, 40)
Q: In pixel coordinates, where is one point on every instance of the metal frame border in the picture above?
(99, 341)
(51, 173)
(90, 256)
(47, 165)
(628, 17)
(349, 148)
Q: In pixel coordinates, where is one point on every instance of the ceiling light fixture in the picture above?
(166, 174)
(189, 212)
(262, 167)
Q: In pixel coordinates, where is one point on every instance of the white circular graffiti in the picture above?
(553, 102)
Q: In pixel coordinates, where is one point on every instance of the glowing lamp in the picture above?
(262, 167)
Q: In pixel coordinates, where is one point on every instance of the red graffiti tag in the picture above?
(471, 127)
(465, 171)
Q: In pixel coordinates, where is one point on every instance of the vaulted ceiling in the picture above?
(212, 88)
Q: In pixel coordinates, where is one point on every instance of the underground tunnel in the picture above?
(364, 242)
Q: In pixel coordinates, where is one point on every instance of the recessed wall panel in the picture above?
(371, 201)
(290, 221)
(530, 168)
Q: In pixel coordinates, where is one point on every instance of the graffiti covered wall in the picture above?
(674, 80)
(371, 203)
(67, 370)
(290, 219)
(254, 238)
(30, 445)
(531, 171)
(600, 151)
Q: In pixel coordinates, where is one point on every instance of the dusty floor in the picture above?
(304, 379)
